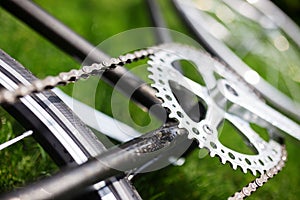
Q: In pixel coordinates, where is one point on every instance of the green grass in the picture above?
(198, 178)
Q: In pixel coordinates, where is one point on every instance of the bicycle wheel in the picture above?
(64, 137)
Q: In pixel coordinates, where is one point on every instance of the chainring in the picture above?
(220, 84)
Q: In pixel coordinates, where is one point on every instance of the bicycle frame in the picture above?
(78, 48)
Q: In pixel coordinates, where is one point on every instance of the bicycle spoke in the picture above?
(16, 139)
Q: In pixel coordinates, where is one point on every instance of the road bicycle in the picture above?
(51, 118)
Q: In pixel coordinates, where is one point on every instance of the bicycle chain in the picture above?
(259, 182)
(65, 78)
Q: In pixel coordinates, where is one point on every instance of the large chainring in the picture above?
(223, 94)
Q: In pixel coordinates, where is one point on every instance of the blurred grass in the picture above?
(203, 178)
(23, 162)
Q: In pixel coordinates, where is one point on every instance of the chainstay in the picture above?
(260, 181)
(65, 78)
(72, 76)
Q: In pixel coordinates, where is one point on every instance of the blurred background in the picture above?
(201, 177)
